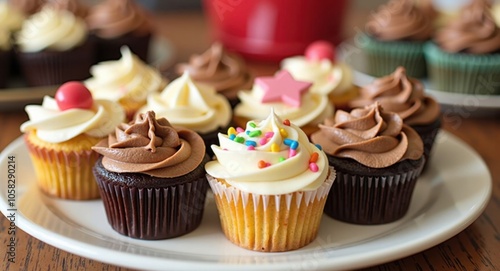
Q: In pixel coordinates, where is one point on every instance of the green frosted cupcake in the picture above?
(465, 55)
(395, 36)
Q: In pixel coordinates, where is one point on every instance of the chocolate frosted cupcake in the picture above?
(114, 23)
(394, 36)
(405, 96)
(226, 72)
(152, 178)
(193, 106)
(464, 56)
(377, 159)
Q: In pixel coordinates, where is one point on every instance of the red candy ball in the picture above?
(320, 50)
(73, 95)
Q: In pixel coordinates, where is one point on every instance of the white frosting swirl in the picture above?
(11, 18)
(52, 29)
(240, 166)
(314, 107)
(125, 78)
(55, 126)
(194, 106)
(326, 77)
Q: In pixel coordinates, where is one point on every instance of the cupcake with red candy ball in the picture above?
(328, 76)
(60, 134)
(378, 160)
(152, 179)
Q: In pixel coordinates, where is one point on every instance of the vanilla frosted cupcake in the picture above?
(327, 77)
(194, 106)
(60, 134)
(53, 48)
(115, 23)
(290, 98)
(270, 185)
(222, 70)
(127, 81)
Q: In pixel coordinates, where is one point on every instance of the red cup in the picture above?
(271, 30)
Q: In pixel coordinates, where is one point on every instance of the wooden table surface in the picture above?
(475, 248)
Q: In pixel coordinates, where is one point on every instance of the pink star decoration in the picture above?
(282, 87)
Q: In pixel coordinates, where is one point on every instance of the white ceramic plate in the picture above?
(18, 95)
(464, 105)
(451, 194)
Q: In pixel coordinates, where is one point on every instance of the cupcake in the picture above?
(378, 160)
(327, 77)
(193, 106)
(290, 98)
(60, 134)
(270, 185)
(115, 23)
(464, 56)
(127, 81)
(405, 96)
(394, 36)
(151, 178)
(53, 48)
(225, 71)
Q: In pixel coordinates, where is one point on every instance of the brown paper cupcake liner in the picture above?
(428, 133)
(270, 223)
(155, 212)
(66, 175)
(369, 199)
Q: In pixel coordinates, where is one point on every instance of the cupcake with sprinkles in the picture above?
(270, 185)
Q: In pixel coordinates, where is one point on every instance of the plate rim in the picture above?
(377, 257)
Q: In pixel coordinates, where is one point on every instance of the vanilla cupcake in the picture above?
(270, 185)
(194, 106)
(53, 48)
(127, 81)
(60, 134)
(290, 99)
(328, 77)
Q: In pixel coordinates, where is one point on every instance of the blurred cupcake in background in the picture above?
(290, 98)
(74, 6)
(114, 23)
(328, 77)
(194, 106)
(394, 36)
(27, 7)
(53, 47)
(5, 56)
(464, 56)
(127, 81)
(225, 71)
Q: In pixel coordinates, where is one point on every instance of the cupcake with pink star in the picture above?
(290, 98)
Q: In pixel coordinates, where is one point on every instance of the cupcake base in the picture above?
(145, 207)
(428, 134)
(369, 196)
(270, 223)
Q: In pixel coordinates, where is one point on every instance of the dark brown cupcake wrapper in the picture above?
(156, 212)
(428, 133)
(372, 199)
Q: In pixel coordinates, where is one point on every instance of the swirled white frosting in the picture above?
(326, 77)
(125, 78)
(282, 174)
(52, 29)
(194, 106)
(314, 107)
(55, 126)
(11, 18)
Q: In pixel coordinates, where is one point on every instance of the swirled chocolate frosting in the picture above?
(473, 31)
(400, 94)
(115, 18)
(153, 147)
(370, 135)
(224, 71)
(400, 20)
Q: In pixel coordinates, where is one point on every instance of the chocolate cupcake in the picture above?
(378, 160)
(405, 96)
(152, 179)
(225, 71)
